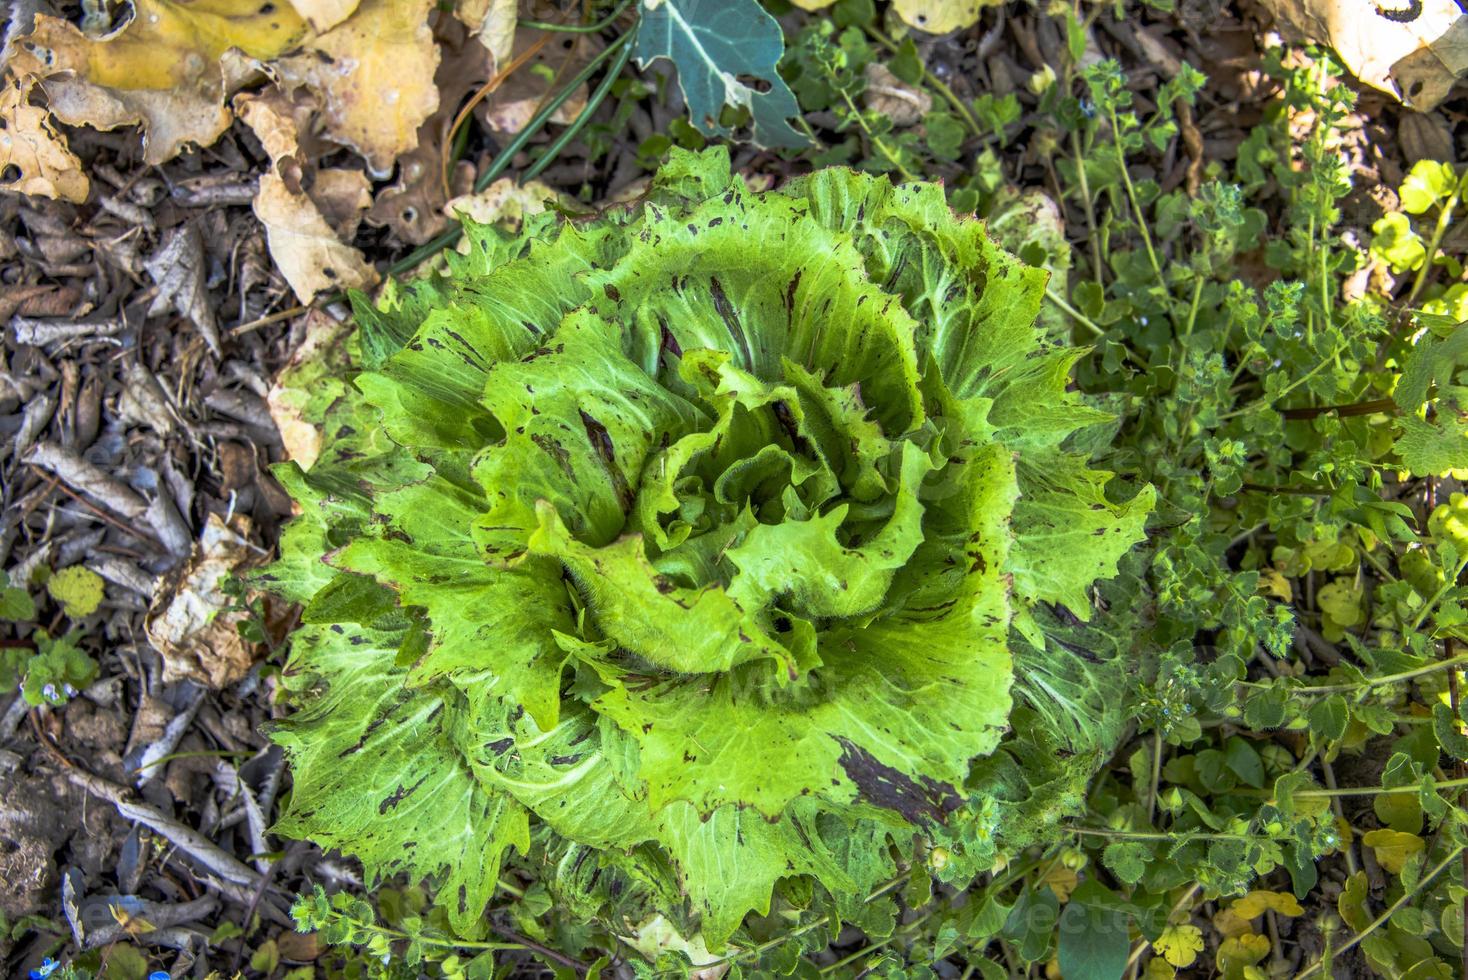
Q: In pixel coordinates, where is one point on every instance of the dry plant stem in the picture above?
(1339, 810)
(266, 321)
(484, 92)
(1439, 230)
(551, 954)
(35, 332)
(159, 916)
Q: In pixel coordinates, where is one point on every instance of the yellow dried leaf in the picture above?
(1393, 848)
(812, 4)
(168, 69)
(502, 201)
(299, 225)
(304, 247)
(1180, 945)
(375, 76)
(941, 16)
(323, 15)
(493, 22)
(44, 166)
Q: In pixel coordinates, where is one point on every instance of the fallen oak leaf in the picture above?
(375, 74)
(44, 165)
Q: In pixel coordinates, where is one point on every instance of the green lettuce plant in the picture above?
(698, 540)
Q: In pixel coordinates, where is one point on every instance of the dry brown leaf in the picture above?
(413, 205)
(323, 15)
(189, 623)
(342, 196)
(275, 120)
(44, 166)
(165, 69)
(303, 245)
(1425, 136)
(502, 201)
(375, 75)
(493, 23)
(178, 269)
(903, 104)
(1414, 51)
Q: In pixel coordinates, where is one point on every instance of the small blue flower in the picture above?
(48, 966)
(49, 691)
(1088, 108)
(159, 975)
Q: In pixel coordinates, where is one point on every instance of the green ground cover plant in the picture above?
(1241, 737)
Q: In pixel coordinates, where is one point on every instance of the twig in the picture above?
(535, 947)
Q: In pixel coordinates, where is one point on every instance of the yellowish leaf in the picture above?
(168, 68)
(1237, 918)
(505, 201)
(1062, 881)
(44, 165)
(1272, 582)
(78, 589)
(1180, 944)
(1393, 847)
(133, 925)
(1237, 954)
(323, 15)
(375, 76)
(1158, 969)
(812, 4)
(1341, 601)
(493, 22)
(941, 16)
(304, 247)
